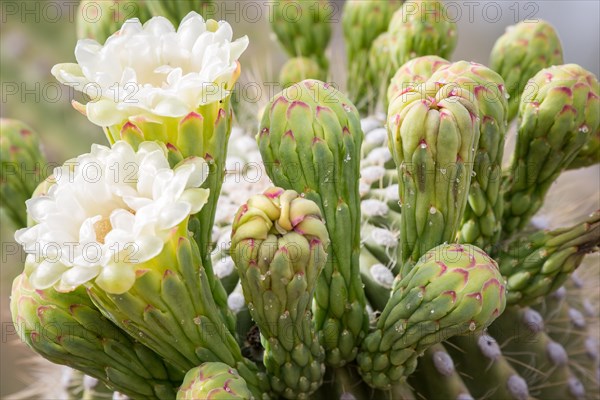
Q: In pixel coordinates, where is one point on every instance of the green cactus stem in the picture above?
(310, 139)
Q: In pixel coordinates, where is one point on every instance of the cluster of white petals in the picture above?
(109, 211)
(154, 70)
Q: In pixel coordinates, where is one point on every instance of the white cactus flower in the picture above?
(154, 70)
(108, 212)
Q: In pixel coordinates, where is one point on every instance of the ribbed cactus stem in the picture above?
(538, 264)
(310, 139)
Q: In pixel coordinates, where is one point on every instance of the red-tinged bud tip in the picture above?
(345, 131)
(280, 99)
(464, 273)
(148, 308)
(450, 293)
(289, 134)
(171, 147)
(129, 125)
(25, 132)
(477, 296)
(272, 193)
(297, 104)
(193, 116)
(316, 140)
(168, 273)
(220, 116)
(443, 268)
(140, 272)
(264, 132)
(208, 157)
(568, 109)
(314, 243)
(73, 308)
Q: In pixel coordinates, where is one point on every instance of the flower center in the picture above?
(102, 228)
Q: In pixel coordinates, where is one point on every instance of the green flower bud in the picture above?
(213, 381)
(522, 52)
(23, 168)
(453, 290)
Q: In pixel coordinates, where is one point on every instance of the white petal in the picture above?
(76, 276)
(174, 215)
(116, 278)
(196, 198)
(46, 274)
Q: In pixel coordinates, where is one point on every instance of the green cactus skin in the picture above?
(519, 54)
(433, 133)
(67, 329)
(453, 289)
(481, 224)
(486, 371)
(413, 72)
(436, 376)
(569, 318)
(589, 153)
(521, 332)
(362, 22)
(310, 139)
(557, 114)
(298, 69)
(278, 245)
(380, 68)
(422, 28)
(98, 20)
(303, 28)
(174, 11)
(213, 381)
(203, 133)
(23, 168)
(538, 264)
(171, 310)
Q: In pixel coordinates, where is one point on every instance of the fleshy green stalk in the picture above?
(171, 309)
(557, 114)
(298, 69)
(303, 28)
(538, 264)
(522, 52)
(213, 381)
(521, 332)
(453, 290)
(486, 371)
(481, 224)
(310, 139)
(67, 329)
(589, 153)
(278, 245)
(23, 168)
(422, 28)
(362, 22)
(433, 133)
(380, 68)
(436, 376)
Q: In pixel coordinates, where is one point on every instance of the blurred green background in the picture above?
(35, 35)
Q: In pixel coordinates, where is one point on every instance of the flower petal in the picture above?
(116, 278)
